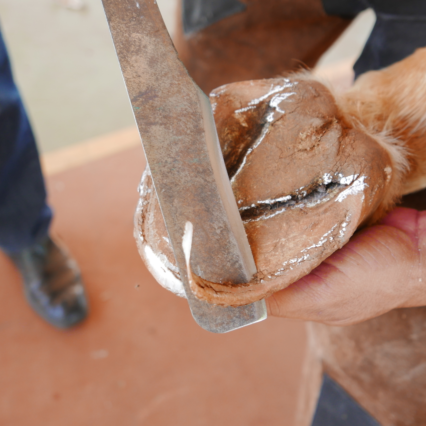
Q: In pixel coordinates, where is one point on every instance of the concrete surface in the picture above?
(139, 359)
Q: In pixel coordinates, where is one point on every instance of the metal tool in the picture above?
(175, 121)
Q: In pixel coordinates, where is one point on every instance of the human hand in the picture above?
(381, 268)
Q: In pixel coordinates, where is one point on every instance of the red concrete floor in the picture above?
(139, 359)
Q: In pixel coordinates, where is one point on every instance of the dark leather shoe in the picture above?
(52, 283)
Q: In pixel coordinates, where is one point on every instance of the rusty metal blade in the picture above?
(179, 137)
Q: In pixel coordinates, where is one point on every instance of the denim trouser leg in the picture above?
(24, 214)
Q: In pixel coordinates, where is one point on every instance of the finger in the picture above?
(366, 278)
(406, 220)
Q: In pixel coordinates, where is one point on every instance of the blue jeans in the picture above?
(400, 29)
(24, 215)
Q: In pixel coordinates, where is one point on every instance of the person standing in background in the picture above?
(51, 280)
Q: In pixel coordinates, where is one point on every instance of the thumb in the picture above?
(378, 270)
